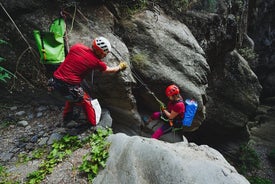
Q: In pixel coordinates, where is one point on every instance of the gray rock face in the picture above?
(166, 52)
(142, 160)
(160, 50)
(237, 93)
(262, 31)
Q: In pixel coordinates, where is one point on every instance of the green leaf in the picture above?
(3, 42)
(2, 59)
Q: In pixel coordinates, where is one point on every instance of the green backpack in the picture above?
(51, 44)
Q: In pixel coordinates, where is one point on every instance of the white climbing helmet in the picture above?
(102, 45)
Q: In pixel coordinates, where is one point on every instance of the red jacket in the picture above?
(78, 63)
(178, 107)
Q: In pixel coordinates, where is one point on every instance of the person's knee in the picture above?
(157, 134)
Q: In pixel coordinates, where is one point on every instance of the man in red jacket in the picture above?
(79, 62)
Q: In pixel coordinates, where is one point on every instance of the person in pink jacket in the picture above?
(172, 115)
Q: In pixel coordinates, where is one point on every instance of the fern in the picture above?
(4, 73)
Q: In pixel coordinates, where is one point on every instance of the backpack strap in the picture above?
(42, 46)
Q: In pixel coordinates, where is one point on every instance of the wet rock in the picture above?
(54, 137)
(20, 113)
(23, 123)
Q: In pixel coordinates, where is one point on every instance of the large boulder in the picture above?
(142, 160)
(164, 51)
(236, 95)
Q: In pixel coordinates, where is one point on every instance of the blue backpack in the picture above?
(191, 107)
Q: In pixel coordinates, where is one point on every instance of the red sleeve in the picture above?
(101, 66)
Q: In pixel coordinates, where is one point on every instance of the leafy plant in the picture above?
(248, 159)
(36, 154)
(130, 7)
(5, 123)
(4, 73)
(212, 5)
(92, 162)
(181, 5)
(4, 176)
(60, 149)
(97, 157)
(247, 53)
(23, 158)
(2, 171)
(140, 60)
(258, 180)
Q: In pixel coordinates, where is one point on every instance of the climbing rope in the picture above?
(136, 76)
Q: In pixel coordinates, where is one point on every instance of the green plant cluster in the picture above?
(247, 53)
(60, 149)
(248, 159)
(181, 5)
(4, 176)
(6, 123)
(249, 164)
(140, 60)
(97, 157)
(258, 180)
(36, 154)
(130, 7)
(63, 148)
(4, 73)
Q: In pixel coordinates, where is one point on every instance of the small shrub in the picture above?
(247, 53)
(92, 162)
(131, 7)
(6, 123)
(96, 159)
(248, 159)
(4, 176)
(4, 73)
(140, 60)
(258, 180)
(60, 150)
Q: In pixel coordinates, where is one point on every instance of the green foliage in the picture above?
(6, 123)
(93, 161)
(249, 164)
(140, 60)
(23, 158)
(4, 73)
(130, 7)
(247, 53)
(3, 172)
(258, 180)
(181, 5)
(4, 176)
(36, 154)
(212, 5)
(248, 159)
(97, 157)
(60, 149)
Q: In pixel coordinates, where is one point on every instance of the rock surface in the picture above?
(142, 160)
